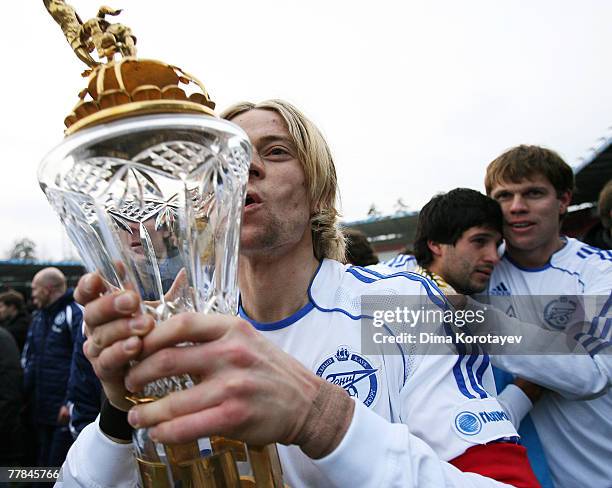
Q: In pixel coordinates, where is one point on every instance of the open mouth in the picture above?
(251, 200)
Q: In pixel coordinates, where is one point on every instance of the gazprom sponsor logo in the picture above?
(479, 421)
(494, 416)
(468, 423)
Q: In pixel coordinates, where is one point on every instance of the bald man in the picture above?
(47, 357)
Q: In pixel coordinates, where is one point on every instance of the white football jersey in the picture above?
(402, 262)
(575, 434)
(430, 393)
(412, 413)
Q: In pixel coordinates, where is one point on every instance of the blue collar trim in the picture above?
(541, 268)
(281, 324)
(286, 322)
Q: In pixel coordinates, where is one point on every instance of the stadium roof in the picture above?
(593, 171)
(388, 231)
(18, 273)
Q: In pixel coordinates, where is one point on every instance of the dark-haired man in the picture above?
(14, 316)
(457, 238)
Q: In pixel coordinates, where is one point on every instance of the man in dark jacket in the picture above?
(84, 389)
(14, 316)
(11, 401)
(47, 357)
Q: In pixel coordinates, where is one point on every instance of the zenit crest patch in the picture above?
(353, 372)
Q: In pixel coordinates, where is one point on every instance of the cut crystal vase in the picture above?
(153, 204)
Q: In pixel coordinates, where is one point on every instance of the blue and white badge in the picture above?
(60, 318)
(558, 313)
(482, 420)
(353, 372)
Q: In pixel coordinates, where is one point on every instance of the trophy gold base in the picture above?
(186, 468)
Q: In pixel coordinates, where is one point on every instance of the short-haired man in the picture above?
(296, 298)
(534, 185)
(47, 357)
(14, 316)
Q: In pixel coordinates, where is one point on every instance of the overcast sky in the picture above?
(413, 97)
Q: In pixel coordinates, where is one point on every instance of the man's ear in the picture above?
(564, 201)
(435, 248)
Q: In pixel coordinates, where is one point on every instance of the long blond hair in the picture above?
(319, 170)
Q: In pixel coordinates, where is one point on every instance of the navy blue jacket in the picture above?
(47, 356)
(11, 401)
(84, 389)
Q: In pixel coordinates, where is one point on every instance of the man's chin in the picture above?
(520, 243)
(473, 288)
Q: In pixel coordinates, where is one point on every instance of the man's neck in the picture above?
(535, 258)
(54, 298)
(274, 287)
(436, 273)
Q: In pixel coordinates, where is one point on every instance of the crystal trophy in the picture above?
(150, 185)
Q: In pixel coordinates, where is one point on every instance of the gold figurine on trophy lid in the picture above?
(119, 84)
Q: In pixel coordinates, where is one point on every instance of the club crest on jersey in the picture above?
(60, 318)
(353, 372)
(558, 313)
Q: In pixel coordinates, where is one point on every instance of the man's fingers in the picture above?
(172, 361)
(177, 404)
(192, 426)
(110, 307)
(117, 330)
(90, 287)
(112, 361)
(189, 327)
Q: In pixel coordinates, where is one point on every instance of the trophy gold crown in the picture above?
(119, 84)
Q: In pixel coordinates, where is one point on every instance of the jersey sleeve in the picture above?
(577, 370)
(515, 403)
(375, 452)
(95, 461)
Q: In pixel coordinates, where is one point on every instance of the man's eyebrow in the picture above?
(483, 234)
(275, 138)
(500, 191)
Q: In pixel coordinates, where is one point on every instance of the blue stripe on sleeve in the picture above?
(470, 371)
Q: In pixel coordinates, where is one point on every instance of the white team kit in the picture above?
(412, 414)
(575, 434)
(574, 419)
